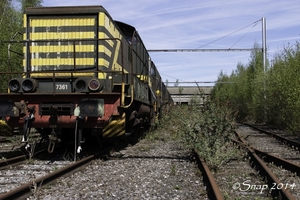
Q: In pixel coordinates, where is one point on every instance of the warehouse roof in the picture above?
(189, 90)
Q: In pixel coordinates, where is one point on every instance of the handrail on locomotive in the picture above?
(28, 73)
(73, 41)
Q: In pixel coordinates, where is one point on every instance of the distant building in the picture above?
(189, 94)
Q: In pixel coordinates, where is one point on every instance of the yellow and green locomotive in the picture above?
(82, 71)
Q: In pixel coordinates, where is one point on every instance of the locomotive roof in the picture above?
(125, 28)
(64, 10)
(71, 10)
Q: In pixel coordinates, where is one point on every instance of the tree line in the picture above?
(11, 29)
(270, 96)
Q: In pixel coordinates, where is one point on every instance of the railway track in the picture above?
(281, 172)
(7, 163)
(146, 170)
(30, 175)
(26, 176)
(268, 144)
(287, 139)
(3, 139)
(213, 189)
(139, 171)
(279, 178)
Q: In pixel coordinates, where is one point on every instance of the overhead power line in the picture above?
(199, 50)
(214, 50)
(254, 24)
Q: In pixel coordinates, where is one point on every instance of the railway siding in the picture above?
(158, 167)
(147, 170)
(287, 179)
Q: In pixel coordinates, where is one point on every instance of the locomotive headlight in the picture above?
(94, 84)
(80, 85)
(14, 85)
(29, 85)
(88, 84)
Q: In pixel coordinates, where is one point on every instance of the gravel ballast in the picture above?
(147, 170)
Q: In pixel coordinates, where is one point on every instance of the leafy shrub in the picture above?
(5, 130)
(207, 129)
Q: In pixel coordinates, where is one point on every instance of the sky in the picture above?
(199, 24)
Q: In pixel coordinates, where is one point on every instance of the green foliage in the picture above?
(30, 3)
(207, 130)
(9, 25)
(239, 90)
(283, 91)
(5, 130)
(270, 96)
(11, 30)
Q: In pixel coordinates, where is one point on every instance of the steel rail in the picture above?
(291, 143)
(3, 139)
(264, 170)
(293, 167)
(25, 188)
(290, 166)
(12, 161)
(213, 189)
(271, 178)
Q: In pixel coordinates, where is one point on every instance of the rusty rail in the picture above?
(3, 139)
(12, 161)
(258, 164)
(290, 166)
(271, 178)
(213, 189)
(291, 143)
(293, 167)
(25, 188)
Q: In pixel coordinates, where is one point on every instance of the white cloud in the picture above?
(165, 24)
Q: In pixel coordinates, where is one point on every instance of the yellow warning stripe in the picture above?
(63, 21)
(64, 61)
(61, 35)
(68, 48)
(104, 23)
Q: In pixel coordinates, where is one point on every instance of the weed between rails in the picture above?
(207, 129)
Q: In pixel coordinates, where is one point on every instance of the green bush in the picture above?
(207, 129)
